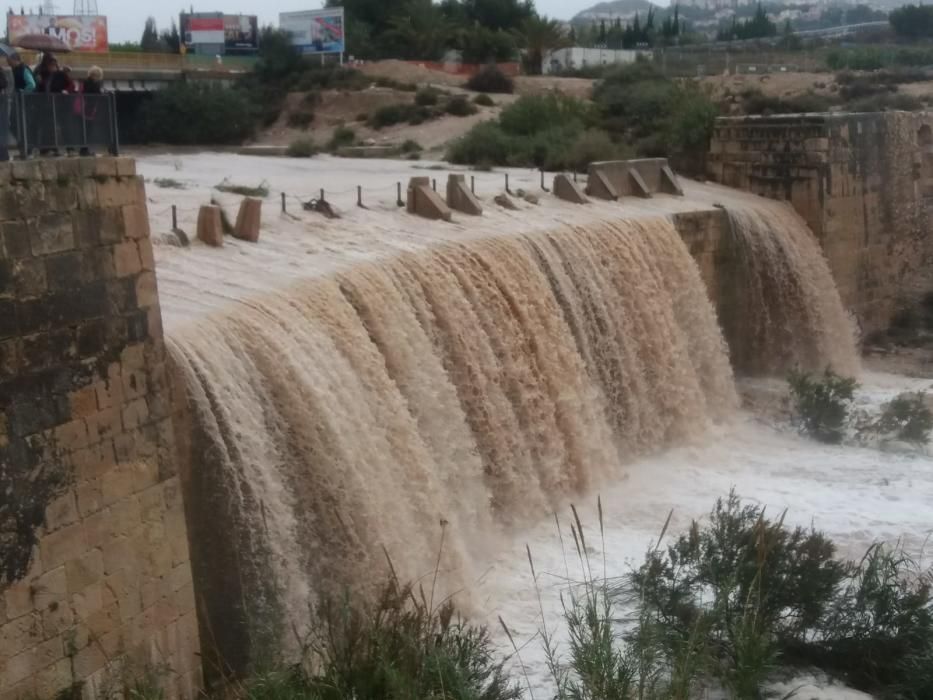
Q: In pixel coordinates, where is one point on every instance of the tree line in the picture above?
(632, 35)
(481, 30)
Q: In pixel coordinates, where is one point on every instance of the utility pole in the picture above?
(85, 7)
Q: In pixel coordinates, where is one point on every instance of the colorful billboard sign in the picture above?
(316, 31)
(202, 29)
(241, 33)
(86, 33)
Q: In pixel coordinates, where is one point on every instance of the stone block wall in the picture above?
(863, 183)
(95, 578)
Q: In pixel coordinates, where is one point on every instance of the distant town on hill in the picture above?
(711, 16)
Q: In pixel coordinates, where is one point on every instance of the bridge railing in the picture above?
(133, 60)
(46, 122)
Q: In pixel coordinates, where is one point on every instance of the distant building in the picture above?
(578, 57)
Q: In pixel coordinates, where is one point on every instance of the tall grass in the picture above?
(722, 608)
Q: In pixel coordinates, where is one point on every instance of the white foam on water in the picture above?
(857, 496)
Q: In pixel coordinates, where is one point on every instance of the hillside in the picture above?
(615, 8)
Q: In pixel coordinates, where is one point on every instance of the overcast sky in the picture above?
(126, 17)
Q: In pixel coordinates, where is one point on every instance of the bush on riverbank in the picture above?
(732, 603)
(822, 404)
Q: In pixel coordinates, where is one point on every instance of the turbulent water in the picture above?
(474, 384)
(785, 302)
(460, 389)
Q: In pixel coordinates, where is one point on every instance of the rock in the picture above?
(505, 202)
(531, 198)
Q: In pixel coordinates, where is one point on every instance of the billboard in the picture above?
(316, 31)
(87, 33)
(202, 28)
(241, 33)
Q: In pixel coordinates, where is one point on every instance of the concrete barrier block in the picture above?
(460, 198)
(669, 182)
(425, 202)
(566, 189)
(639, 186)
(599, 185)
(248, 220)
(210, 228)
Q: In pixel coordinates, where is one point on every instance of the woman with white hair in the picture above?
(94, 83)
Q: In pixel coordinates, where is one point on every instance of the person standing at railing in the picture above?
(94, 83)
(47, 66)
(24, 80)
(87, 104)
(4, 118)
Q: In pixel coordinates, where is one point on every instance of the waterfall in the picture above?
(784, 304)
(456, 389)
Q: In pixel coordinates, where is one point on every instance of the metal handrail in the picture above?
(53, 122)
(132, 60)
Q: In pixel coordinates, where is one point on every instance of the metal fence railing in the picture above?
(50, 123)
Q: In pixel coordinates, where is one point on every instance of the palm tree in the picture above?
(538, 36)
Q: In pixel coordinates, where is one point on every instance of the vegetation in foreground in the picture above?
(736, 602)
(823, 409)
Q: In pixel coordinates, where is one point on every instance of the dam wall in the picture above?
(862, 182)
(506, 361)
(95, 580)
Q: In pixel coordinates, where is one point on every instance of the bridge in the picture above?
(128, 72)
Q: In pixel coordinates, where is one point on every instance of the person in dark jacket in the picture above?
(58, 80)
(23, 78)
(94, 83)
(44, 71)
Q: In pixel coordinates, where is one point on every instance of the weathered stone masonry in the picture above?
(95, 579)
(863, 183)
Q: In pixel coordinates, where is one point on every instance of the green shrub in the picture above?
(756, 102)
(342, 136)
(168, 183)
(411, 146)
(744, 594)
(484, 100)
(393, 84)
(691, 121)
(484, 143)
(398, 647)
(535, 113)
(427, 97)
(887, 101)
(390, 115)
(302, 148)
(491, 79)
(878, 632)
(460, 106)
(331, 78)
(908, 417)
(591, 146)
(261, 190)
(301, 119)
(822, 404)
(312, 99)
(197, 113)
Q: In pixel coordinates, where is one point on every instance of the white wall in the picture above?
(578, 57)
